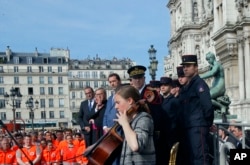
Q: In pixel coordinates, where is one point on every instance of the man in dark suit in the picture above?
(87, 109)
(237, 131)
(96, 120)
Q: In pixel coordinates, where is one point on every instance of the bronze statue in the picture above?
(217, 90)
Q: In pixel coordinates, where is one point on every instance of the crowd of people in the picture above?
(169, 111)
(151, 118)
(43, 148)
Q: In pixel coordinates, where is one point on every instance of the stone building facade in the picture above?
(221, 27)
(93, 72)
(55, 81)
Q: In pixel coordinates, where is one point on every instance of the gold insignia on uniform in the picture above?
(136, 71)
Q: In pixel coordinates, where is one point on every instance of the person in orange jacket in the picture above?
(19, 139)
(68, 153)
(32, 152)
(50, 155)
(7, 155)
(82, 160)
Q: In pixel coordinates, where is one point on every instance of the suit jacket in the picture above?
(110, 113)
(85, 114)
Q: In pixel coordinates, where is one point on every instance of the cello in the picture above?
(107, 148)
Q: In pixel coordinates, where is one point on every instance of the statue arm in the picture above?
(211, 72)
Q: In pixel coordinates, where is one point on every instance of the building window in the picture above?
(1, 91)
(43, 114)
(61, 114)
(2, 103)
(29, 69)
(41, 69)
(50, 80)
(41, 80)
(72, 84)
(30, 91)
(51, 114)
(51, 103)
(1, 69)
(42, 103)
(29, 60)
(16, 60)
(87, 83)
(61, 103)
(1, 80)
(31, 115)
(94, 74)
(81, 84)
(45, 61)
(95, 84)
(3, 115)
(60, 90)
(49, 68)
(80, 74)
(16, 80)
(86, 74)
(16, 69)
(60, 80)
(50, 90)
(73, 95)
(29, 79)
(59, 69)
(81, 95)
(59, 60)
(18, 115)
(42, 91)
(104, 84)
(73, 104)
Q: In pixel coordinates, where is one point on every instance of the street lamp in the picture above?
(153, 62)
(44, 115)
(30, 106)
(15, 97)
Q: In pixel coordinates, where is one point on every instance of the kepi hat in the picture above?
(180, 72)
(189, 59)
(137, 71)
(166, 81)
(155, 83)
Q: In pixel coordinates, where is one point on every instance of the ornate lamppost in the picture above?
(44, 116)
(15, 97)
(153, 62)
(30, 106)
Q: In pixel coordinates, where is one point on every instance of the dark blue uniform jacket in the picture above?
(196, 104)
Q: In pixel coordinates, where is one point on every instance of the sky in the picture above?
(109, 28)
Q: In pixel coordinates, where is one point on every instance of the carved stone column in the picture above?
(241, 68)
(247, 66)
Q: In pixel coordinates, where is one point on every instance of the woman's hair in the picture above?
(128, 91)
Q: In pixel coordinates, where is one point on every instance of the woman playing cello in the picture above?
(138, 146)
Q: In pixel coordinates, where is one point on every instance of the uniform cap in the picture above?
(176, 83)
(165, 81)
(155, 83)
(189, 59)
(137, 71)
(180, 72)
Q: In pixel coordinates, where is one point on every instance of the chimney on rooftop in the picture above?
(8, 53)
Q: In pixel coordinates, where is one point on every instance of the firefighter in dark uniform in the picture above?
(197, 114)
(154, 101)
(170, 106)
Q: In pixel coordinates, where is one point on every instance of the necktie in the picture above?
(90, 106)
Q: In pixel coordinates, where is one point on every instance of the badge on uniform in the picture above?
(201, 89)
